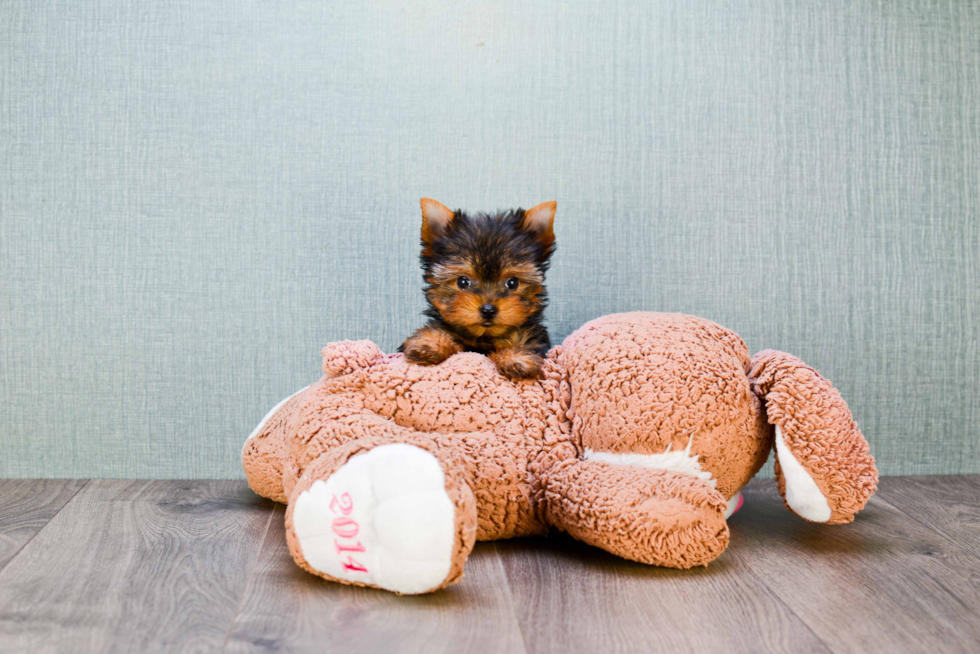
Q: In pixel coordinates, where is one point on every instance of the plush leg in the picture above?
(264, 449)
(653, 516)
(391, 515)
(823, 464)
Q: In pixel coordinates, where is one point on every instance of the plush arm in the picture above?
(651, 516)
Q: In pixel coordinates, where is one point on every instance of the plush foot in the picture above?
(384, 518)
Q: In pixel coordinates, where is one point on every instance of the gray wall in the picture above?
(195, 197)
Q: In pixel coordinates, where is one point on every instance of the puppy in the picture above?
(484, 276)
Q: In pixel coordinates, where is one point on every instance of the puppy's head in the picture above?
(485, 272)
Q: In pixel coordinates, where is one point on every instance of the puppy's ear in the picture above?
(540, 221)
(436, 218)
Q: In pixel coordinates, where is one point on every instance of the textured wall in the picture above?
(196, 196)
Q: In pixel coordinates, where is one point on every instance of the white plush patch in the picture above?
(733, 503)
(258, 430)
(677, 461)
(384, 518)
(802, 493)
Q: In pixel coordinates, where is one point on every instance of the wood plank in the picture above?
(574, 598)
(135, 566)
(287, 609)
(948, 504)
(885, 583)
(26, 505)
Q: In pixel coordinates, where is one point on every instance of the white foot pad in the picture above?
(383, 518)
(802, 493)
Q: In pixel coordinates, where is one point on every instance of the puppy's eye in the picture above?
(512, 283)
(463, 282)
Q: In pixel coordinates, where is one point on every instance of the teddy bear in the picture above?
(636, 438)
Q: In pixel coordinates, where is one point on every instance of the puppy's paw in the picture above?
(517, 364)
(429, 347)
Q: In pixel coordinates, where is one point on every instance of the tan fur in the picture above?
(436, 217)
(447, 272)
(525, 272)
(517, 363)
(513, 311)
(430, 346)
(515, 355)
(464, 311)
(541, 218)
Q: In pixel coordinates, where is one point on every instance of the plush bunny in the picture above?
(637, 439)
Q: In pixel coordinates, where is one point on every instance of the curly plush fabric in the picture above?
(265, 450)
(818, 430)
(639, 431)
(652, 516)
(671, 381)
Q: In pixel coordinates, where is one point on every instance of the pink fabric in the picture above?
(635, 383)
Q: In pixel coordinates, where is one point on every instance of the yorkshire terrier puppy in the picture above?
(484, 278)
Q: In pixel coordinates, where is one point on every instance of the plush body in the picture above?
(636, 438)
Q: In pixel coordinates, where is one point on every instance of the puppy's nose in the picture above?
(488, 311)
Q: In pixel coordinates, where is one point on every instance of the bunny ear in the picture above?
(540, 220)
(436, 219)
(344, 357)
(824, 466)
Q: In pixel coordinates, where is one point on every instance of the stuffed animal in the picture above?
(636, 439)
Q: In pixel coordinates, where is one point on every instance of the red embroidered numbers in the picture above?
(346, 529)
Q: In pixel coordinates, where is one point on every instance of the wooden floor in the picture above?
(177, 566)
